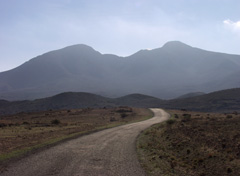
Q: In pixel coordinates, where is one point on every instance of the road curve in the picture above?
(108, 152)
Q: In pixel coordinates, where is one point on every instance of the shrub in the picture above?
(170, 121)
(124, 110)
(183, 109)
(2, 125)
(176, 116)
(235, 113)
(186, 117)
(229, 170)
(123, 115)
(112, 119)
(55, 122)
(25, 123)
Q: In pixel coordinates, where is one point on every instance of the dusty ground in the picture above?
(110, 152)
(193, 144)
(26, 130)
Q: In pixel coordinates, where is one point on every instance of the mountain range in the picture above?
(220, 101)
(167, 72)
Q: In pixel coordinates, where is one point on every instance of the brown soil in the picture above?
(29, 129)
(194, 144)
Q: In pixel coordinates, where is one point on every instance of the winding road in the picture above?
(108, 152)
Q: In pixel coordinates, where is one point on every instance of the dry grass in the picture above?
(193, 144)
(25, 131)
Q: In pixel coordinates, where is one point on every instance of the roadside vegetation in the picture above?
(23, 132)
(192, 144)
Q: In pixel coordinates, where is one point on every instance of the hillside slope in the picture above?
(220, 101)
(74, 100)
(189, 95)
(167, 72)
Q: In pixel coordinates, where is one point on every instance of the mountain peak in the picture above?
(79, 47)
(175, 45)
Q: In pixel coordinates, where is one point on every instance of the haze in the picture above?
(30, 28)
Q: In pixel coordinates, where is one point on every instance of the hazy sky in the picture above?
(29, 28)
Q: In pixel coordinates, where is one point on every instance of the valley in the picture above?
(120, 88)
(53, 109)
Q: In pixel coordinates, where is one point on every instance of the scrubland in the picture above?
(193, 144)
(23, 132)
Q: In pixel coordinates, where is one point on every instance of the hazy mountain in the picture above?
(68, 100)
(138, 100)
(74, 100)
(167, 72)
(220, 101)
(189, 95)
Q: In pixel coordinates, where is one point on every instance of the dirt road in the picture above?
(108, 152)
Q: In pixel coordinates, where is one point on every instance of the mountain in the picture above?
(189, 95)
(74, 100)
(219, 101)
(167, 72)
(67, 100)
(138, 100)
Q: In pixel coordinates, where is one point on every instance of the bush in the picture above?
(229, 170)
(55, 122)
(235, 113)
(183, 109)
(25, 123)
(176, 116)
(123, 115)
(2, 125)
(124, 110)
(112, 119)
(186, 117)
(170, 121)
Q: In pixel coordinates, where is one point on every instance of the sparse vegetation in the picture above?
(186, 117)
(176, 116)
(112, 119)
(205, 145)
(123, 115)
(55, 122)
(26, 131)
(170, 121)
(123, 109)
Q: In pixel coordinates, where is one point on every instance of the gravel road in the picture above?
(108, 152)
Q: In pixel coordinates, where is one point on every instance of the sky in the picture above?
(29, 28)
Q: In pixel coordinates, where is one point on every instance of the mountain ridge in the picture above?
(167, 72)
(219, 101)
